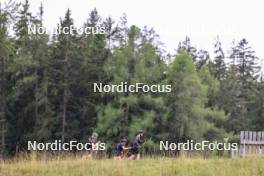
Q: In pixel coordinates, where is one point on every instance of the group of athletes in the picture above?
(122, 149)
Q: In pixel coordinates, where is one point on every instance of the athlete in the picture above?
(93, 143)
(137, 145)
(121, 149)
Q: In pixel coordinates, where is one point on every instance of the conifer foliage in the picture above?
(47, 84)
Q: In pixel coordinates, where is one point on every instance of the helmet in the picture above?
(94, 135)
(124, 140)
(140, 131)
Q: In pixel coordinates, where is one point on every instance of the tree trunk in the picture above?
(64, 114)
(2, 107)
(36, 96)
(65, 89)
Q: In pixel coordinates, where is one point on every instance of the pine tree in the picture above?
(125, 59)
(219, 66)
(245, 73)
(186, 101)
(125, 113)
(23, 68)
(214, 116)
(211, 83)
(63, 65)
(95, 54)
(112, 32)
(123, 30)
(186, 46)
(44, 115)
(229, 101)
(6, 48)
(203, 59)
(257, 107)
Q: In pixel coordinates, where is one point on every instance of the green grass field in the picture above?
(144, 167)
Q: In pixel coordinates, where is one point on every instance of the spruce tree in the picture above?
(23, 67)
(94, 52)
(44, 114)
(245, 71)
(63, 65)
(203, 59)
(186, 45)
(219, 66)
(6, 49)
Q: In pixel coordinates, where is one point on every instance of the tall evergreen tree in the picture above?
(203, 59)
(219, 66)
(245, 73)
(64, 65)
(95, 54)
(6, 48)
(257, 107)
(186, 101)
(112, 32)
(23, 68)
(44, 114)
(128, 112)
(186, 45)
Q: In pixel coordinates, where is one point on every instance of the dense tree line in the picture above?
(46, 84)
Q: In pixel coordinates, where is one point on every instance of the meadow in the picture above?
(144, 167)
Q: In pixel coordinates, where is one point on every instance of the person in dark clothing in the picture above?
(121, 149)
(137, 145)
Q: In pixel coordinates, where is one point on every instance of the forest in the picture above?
(46, 84)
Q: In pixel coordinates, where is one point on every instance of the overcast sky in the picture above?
(201, 20)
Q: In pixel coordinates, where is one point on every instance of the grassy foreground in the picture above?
(144, 167)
